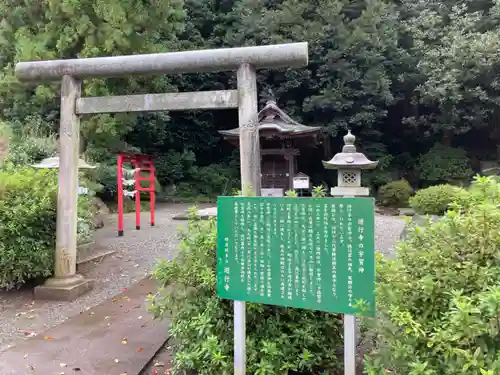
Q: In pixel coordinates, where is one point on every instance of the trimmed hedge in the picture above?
(435, 200)
(395, 194)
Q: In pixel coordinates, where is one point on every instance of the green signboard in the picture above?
(313, 253)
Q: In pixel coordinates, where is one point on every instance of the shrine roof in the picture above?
(271, 117)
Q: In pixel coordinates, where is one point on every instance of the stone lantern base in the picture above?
(340, 191)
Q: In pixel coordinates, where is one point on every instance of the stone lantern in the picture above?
(85, 244)
(53, 163)
(349, 164)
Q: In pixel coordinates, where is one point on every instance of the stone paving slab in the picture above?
(114, 338)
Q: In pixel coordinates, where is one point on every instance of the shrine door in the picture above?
(274, 169)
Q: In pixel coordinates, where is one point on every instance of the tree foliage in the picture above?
(55, 29)
(456, 49)
(402, 75)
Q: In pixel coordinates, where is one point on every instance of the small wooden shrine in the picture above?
(281, 139)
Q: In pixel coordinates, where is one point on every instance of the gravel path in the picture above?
(387, 232)
(136, 254)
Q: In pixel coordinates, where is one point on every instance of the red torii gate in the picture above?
(140, 163)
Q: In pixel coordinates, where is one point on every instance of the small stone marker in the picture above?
(313, 253)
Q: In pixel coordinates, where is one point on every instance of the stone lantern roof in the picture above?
(53, 163)
(349, 158)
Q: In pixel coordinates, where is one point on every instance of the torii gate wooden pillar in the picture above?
(66, 283)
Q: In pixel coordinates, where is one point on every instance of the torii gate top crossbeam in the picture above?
(211, 60)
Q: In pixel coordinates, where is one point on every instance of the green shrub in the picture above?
(318, 191)
(435, 200)
(105, 175)
(31, 149)
(441, 165)
(395, 193)
(209, 181)
(438, 302)
(215, 179)
(27, 224)
(279, 340)
(28, 204)
(85, 225)
(173, 166)
(482, 189)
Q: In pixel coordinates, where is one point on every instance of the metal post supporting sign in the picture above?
(250, 179)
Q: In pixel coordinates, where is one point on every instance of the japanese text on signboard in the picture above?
(315, 253)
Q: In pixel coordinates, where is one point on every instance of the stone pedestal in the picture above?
(63, 288)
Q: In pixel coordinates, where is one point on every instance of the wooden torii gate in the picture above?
(66, 283)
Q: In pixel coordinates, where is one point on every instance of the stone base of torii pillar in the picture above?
(63, 288)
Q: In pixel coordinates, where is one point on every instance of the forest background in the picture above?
(416, 81)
